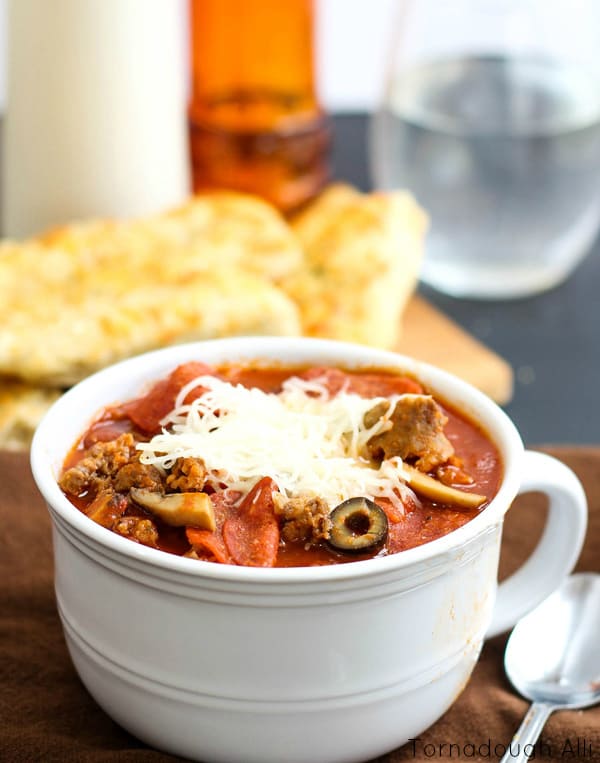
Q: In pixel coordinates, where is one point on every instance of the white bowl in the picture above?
(336, 663)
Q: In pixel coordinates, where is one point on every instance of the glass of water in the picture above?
(491, 117)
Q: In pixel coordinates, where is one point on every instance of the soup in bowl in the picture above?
(272, 549)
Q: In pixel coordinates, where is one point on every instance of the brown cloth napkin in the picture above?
(47, 715)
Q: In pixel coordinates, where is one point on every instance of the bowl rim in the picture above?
(286, 350)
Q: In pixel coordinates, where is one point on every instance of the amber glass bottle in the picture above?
(255, 121)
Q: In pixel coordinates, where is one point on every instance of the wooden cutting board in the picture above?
(430, 336)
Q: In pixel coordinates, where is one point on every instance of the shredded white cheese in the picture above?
(304, 439)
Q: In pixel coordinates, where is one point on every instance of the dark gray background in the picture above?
(550, 340)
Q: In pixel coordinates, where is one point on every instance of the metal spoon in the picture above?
(553, 658)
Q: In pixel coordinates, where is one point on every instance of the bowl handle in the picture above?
(559, 547)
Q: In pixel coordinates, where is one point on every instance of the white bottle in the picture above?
(96, 122)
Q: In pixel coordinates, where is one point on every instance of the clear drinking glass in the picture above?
(491, 117)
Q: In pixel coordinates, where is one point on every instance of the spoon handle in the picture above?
(521, 747)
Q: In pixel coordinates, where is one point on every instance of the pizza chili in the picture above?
(282, 466)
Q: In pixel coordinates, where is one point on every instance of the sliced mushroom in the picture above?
(358, 526)
(178, 509)
(437, 491)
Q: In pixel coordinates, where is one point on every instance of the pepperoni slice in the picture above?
(365, 385)
(208, 545)
(251, 534)
(106, 430)
(383, 385)
(147, 412)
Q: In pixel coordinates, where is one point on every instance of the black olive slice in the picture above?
(359, 525)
